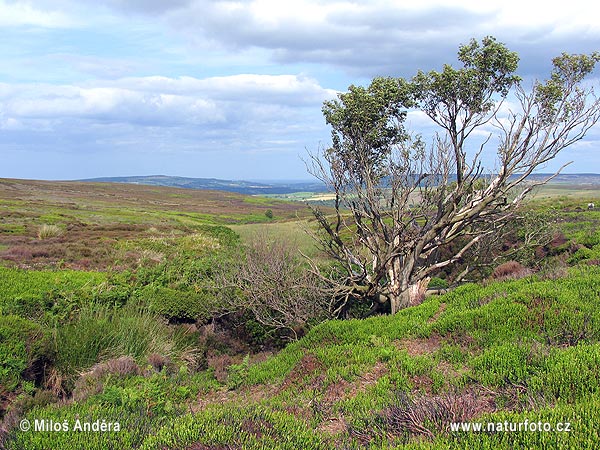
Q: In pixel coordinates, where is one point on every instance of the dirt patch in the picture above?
(340, 390)
(257, 427)
(558, 240)
(421, 346)
(333, 426)
(308, 366)
(422, 383)
(343, 389)
(200, 446)
(438, 313)
(244, 396)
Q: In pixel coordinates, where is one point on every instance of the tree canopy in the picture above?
(407, 207)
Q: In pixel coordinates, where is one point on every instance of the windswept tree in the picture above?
(406, 208)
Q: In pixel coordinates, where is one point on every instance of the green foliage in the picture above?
(583, 417)
(101, 332)
(157, 394)
(568, 71)
(585, 254)
(177, 304)
(488, 69)
(502, 364)
(437, 283)
(134, 428)
(372, 116)
(570, 374)
(29, 293)
(243, 427)
(23, 345)
(238, 373)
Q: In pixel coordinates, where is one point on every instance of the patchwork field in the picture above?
(93, 225)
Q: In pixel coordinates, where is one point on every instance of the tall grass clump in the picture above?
(102, 332)
(49, 231)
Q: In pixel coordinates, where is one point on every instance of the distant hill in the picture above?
(576, 179)
(239, 186)
(289, 187)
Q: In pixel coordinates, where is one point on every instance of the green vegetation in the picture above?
(23, 345)
(147, 343)
(528, 349)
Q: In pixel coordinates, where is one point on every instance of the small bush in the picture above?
(237, 374)
(437, 283)
(429, 416)
(511, 270)
(90, 383)
(177, 305)
(159, 362)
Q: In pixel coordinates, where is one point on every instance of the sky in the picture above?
(234, 89)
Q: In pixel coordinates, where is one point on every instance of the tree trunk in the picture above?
(395, 285)
(402, 293)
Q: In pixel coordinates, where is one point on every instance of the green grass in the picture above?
(101, 332)
(294, 232)
(530, 348)
(29, 293)
(532, 342)
(23, 344)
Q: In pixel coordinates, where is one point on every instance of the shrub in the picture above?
(437, 283)
(511, 270)
(178, 305)
(429, 416)
(237, 374)
(90, 383)
(159, 362)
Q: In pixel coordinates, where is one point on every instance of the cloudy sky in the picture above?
(233, 89)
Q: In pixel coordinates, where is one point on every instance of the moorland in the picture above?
(109, 312)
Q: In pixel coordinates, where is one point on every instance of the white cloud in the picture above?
(163, 101)
(19, 13)
(285, 89)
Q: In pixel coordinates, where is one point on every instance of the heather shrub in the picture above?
(511, 270)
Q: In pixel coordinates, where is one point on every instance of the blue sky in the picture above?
(233, 89)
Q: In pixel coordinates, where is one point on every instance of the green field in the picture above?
(108, 312)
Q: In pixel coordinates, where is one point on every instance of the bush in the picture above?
(510, 270)
(90, 383)
(437, 283)
(178, 305)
